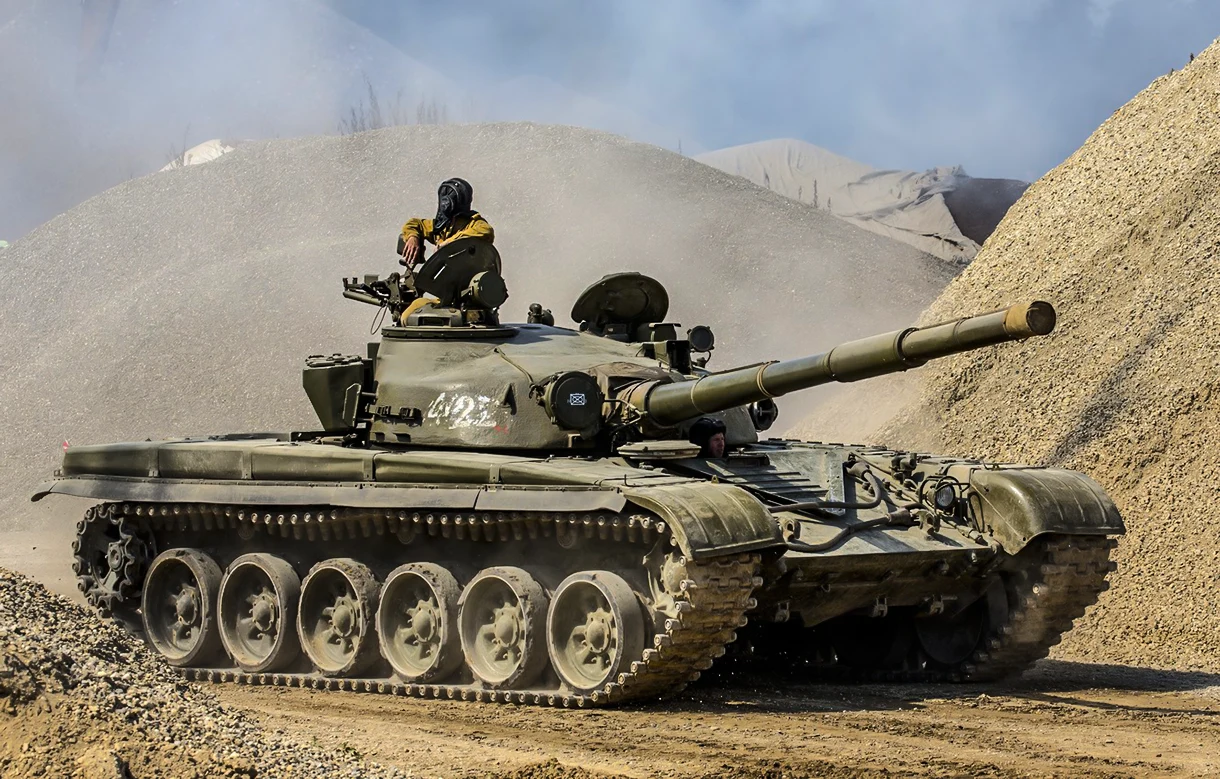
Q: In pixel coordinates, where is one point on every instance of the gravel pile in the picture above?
(79, 697)
(1124, 238)
(184, 303)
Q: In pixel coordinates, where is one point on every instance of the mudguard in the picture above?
(711, 519)
(347, 494)
(1018, 504)
(706, 518)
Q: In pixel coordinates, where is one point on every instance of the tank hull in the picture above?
(596, 580)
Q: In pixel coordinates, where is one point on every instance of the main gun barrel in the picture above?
(669, 404)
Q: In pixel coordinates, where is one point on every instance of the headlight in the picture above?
(945, 498)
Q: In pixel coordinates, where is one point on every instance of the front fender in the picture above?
(711, 519)
(1018, 504)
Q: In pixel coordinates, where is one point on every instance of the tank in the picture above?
(515, 513)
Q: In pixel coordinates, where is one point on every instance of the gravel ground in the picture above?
(1123, 238)
(184, 303)
(1061, 719)
(79, 697)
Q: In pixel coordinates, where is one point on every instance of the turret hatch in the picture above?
(620, 304)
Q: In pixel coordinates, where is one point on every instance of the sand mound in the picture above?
(941, 211)
(79, 697)
(185, 302)
(1123, 238)
(80, 116)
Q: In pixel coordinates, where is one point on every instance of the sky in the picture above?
(1005, 88)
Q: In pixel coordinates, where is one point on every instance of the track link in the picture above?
(1051, 595)
(710, 602)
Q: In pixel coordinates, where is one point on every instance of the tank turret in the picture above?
(450, 374)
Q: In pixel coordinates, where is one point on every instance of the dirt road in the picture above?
(1062, 719)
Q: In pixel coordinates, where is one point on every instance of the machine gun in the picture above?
(395, 292)
(463, 278)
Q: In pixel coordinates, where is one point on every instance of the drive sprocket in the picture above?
(111, 554)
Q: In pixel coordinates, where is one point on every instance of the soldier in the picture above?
(454, 219)
(708, 433)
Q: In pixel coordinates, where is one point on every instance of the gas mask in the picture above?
(452, 200)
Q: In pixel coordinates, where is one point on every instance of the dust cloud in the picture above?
(174, 75)
(183, 303)
(897, 85)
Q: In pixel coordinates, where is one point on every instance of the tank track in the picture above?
(1063, 577)
(1051, 595)
(709, 603)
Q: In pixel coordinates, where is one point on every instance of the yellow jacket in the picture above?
(472, 225)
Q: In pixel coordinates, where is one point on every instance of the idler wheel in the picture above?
(949, 640)
(595, 629)
(502, 618)
(335, 620)
(179, 607)
(258, 609)
(417, 622)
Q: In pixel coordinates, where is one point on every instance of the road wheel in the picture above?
(336, 616)
(946, 641)
(179, 607)
(594, 629)
(502, 617)
(258, 608)
(417, 622)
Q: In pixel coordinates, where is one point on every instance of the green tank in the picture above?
(514, 513)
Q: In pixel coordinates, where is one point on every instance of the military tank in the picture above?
(514, 513)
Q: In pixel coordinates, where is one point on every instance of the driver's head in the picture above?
(453, 199)
(708, 434)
